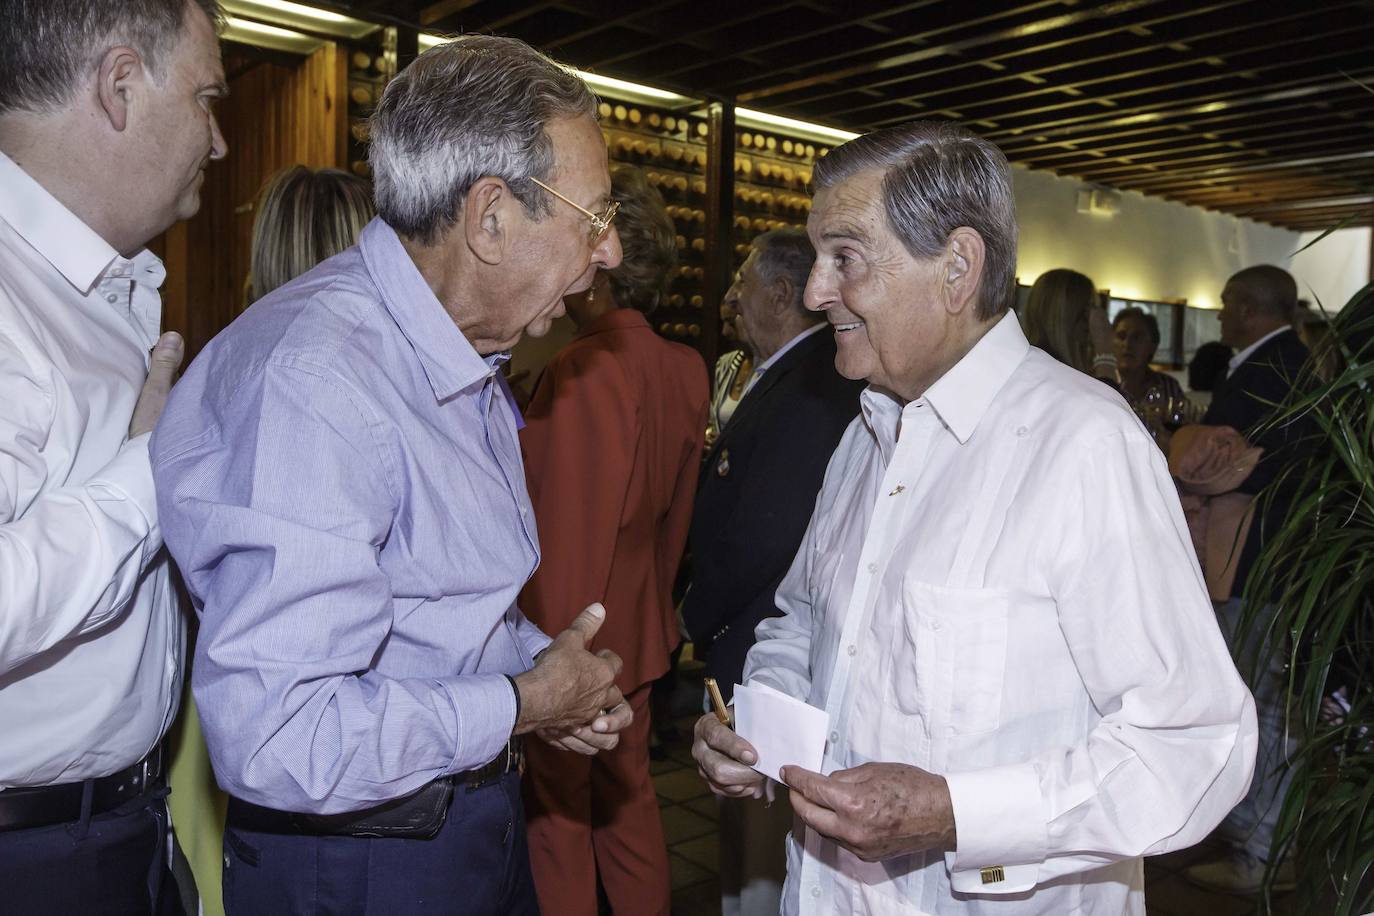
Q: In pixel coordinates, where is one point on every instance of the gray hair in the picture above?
(471, 108)
(48, 47)
(939, 177)
(786, 254)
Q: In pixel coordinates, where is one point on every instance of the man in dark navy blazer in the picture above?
(757, 489)
(1256, 317)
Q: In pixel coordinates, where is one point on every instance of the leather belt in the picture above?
(42, 806)
(419, 815)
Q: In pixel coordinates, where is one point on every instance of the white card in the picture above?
(783, 730)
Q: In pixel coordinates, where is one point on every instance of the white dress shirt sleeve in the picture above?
(781, 656)
(1175, 747)
(71, 557)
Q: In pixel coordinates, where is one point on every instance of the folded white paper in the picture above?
(784, 730)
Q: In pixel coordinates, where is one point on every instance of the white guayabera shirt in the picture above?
(90, 633)
(998, 586)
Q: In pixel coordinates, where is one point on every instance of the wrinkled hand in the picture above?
(877, 810)
(569, 697)
(603, 734)
(162, 373)
(724, 760)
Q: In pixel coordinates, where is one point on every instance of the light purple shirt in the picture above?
(340, 481)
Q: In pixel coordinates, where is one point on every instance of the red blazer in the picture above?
(612, 445)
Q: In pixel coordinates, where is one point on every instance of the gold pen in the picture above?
(718, 702)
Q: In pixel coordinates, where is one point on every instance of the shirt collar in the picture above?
(69, 245)
(962, 395)
(449, 360)
(1249, 351)
(782, 351)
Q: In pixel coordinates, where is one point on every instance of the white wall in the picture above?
(1334, 269)
(1151, 249)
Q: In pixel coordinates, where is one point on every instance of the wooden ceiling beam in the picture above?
(1007, 61)
(1154, 112)
(1312, 68)
(640, 12)
(1222, 149)
(1307, 121)
(443, 9)
(1275, 199)
(948, 97)
(1104, 170)
(1097, 11)
(717, 26)
(1264, 184)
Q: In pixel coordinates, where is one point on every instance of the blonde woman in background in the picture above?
(1064, 317)
(303, 217)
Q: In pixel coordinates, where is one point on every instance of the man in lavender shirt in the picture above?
(340, 482)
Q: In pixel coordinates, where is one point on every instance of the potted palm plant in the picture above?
(1318, 571)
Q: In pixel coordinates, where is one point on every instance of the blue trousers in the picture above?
(113, 863)
(1251, 823)
(478, 864)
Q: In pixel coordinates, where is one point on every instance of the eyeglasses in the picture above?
(600, 223)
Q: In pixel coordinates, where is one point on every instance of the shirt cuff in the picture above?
(999, 815)
(484, 708)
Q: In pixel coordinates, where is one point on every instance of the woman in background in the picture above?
(304, 216)
(612, 452)
(1136, 338)
(1064, 317)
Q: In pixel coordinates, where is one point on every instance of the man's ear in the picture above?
(120, 75)
(487, 217)
(965, 254)
(780, 295)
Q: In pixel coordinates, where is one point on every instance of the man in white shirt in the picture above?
(105, 132)
(996, 601)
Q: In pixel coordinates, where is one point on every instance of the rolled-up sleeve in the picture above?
(276, 506)
(70, 558)
(1175, 747)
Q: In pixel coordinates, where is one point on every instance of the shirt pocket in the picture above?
(949, 663)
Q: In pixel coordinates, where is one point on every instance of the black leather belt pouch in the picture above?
(419, 816)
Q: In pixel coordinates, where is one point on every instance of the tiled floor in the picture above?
(689, 823)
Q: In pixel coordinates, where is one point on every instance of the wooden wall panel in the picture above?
(279, 113)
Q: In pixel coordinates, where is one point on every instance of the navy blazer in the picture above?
(1246, 402)
(757, 490)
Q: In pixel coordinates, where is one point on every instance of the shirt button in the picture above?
(935, 624)
(1022, 432)
(872, 567)
(852, 650)
(815, 891)
(111, 298)
(834, 737)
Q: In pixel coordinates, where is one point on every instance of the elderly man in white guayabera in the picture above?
(996, 601)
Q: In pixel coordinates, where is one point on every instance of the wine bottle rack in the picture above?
(771, 177)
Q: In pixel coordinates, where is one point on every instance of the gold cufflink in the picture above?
(992, 874)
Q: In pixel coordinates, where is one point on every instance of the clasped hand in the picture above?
(569, 697)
